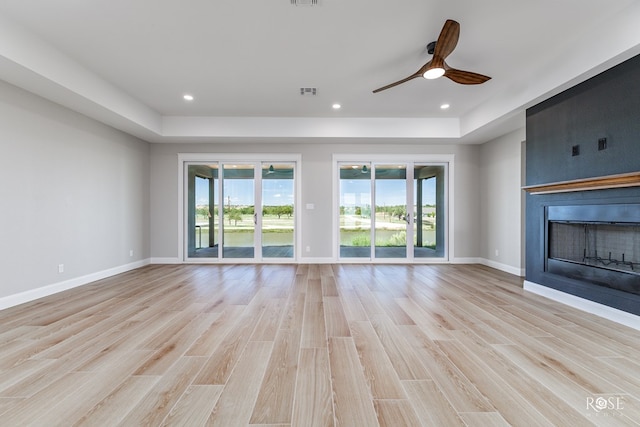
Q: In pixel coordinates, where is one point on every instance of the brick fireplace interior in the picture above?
(597, 244)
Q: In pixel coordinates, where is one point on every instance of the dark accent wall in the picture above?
(605, 106)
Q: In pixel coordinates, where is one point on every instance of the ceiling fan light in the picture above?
(433, 73)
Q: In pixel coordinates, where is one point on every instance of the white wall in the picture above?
(500, 202)
(316, 227)
(73, 192)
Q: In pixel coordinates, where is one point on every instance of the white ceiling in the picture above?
(127, 63)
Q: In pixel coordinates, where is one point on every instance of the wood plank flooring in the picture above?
(313, 345)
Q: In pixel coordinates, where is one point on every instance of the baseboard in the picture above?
(165, 261)
(467, 260)
(610, 313)
(502, 267)
(34, 294)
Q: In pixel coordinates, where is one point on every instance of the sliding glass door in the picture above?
(277, 213)
(429, 211)
(408, 218)
(240, 210)
(202, 219)
(239, 217)
(392, 219)
(355, 210)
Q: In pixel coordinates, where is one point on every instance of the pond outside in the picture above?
(279, 232)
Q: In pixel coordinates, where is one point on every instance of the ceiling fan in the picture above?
(436, 67)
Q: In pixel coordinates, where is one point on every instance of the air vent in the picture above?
(308, 91)
(304, 2)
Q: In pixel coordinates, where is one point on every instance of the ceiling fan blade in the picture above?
(446, 43)
(465, 77)
(406, 79)
(447, 40)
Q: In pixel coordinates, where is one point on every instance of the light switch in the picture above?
(311, 206)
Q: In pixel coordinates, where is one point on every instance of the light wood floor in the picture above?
(310, 345)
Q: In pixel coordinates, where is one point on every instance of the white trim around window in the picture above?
(447, 159)
(186, 158)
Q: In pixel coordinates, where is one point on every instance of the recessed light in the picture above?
(336, 106)
(445, 106)
(188, 97)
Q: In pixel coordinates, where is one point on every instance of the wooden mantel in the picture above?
(631, 179)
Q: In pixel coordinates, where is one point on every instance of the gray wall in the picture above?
(605, 106)
(79, 193)
(500, 201)
(73, 192)
(316, 227)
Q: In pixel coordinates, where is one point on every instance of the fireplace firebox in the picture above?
(599, 244)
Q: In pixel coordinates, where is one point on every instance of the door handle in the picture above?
(255, 219)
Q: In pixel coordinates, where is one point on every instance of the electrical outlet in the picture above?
(131, 252)
(60, 268)
(602, 144)
(575, 150)
(308, 249)
(497, 252)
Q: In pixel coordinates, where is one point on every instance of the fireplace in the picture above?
(599, 244)
(573, 179)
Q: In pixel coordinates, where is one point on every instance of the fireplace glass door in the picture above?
(599, 244)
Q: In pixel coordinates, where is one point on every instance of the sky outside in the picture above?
(389, 192)
(276, 192)
(239, 192)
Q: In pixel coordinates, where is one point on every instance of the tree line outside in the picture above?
(236, 213)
